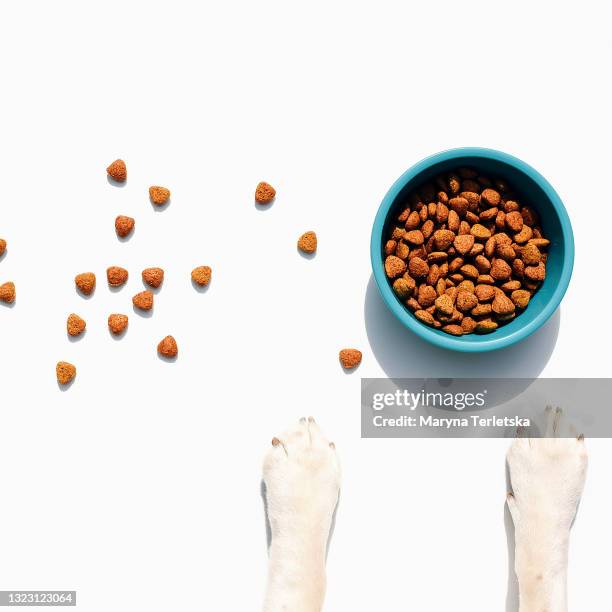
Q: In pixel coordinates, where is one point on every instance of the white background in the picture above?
(139, 485)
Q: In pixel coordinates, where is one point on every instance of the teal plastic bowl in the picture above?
(532, 189)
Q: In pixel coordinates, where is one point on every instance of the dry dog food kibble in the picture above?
(465, 254)
(116, 276)
(117, 171)
(308, 242)
(124, 226)
(85, 282)
(265, 193)
(143, 300)
(2, 246)
(159, 195)
(65, 372)
(168, 347)
(117, 323)
(153, 277)
(7, 292)
(350, 358)
(201, 275)
(75, 326)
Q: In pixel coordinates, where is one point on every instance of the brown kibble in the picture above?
(468, 325)
(469, 271)
(460, 205)
(490, 197)
(482, 263)
(536, 273)
(413, 304)
(500, 270)
(65, 372)
(521, 298)
(402, 250)
(159, 195)
(201, 275)
(117, 171)
(153, 277)
(168, 347)
(443, 239)
(75, 326)
(484, 293)
(424, 317)
(514, 221)
(530, 254)
(502, 304)
(124, 226)
(511, 285)
(427, 296)
(265, 193)
(444, 304)
(454, 330)
(481, 310)
(116, 276)
(413, 221)
(85, 282)
(524, 235)
(394, 266)
(427, 228)
(466, 300)
(350, 358)
(441, 213)
(390, 246)
(415, 237)
(480, 232)
(117, 323)
(437, 257)
(541, 243)
(486, 326)
(464, 243)
(403, 288)
(469, 249)
(417, 267)
(143, 300)
(505, 251)
(2, 246)
(308, 243)
(7, 292)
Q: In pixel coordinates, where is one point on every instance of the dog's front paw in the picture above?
(302, 479)
(547, 476)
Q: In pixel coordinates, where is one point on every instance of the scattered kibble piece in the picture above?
(265, 193)
(65, 372)
(124, 226)
(117, 171)
(116, 276)
(464, 248)
(168, 347)
(85, 282)
(7, 292)
(201, 275)
(159, 195)
(75, 325)
(153, 277)
(2, 246)
(117, 323)
(350, 358)
(308, 242)
(143, 300)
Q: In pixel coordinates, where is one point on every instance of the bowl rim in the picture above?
(488, 342)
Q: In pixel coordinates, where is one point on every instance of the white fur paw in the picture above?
(547, 476)
(301, 473)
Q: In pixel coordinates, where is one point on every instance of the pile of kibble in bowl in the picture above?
(465, 254)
